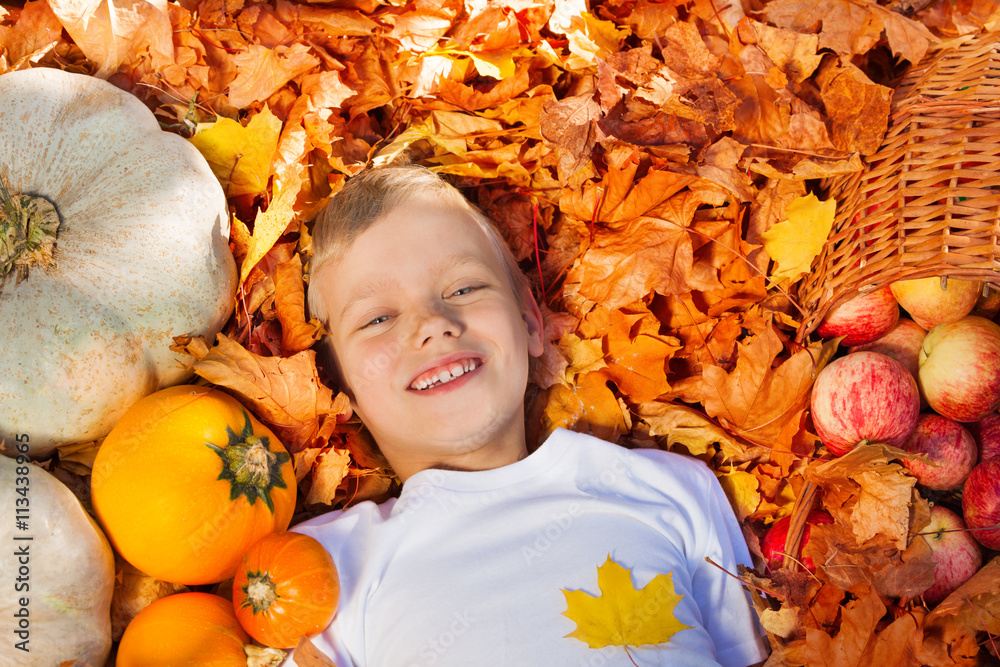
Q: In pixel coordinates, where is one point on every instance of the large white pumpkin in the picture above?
(141, 255)
(58, 572)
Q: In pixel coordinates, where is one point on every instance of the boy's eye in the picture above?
(377, 320)
(464, 290)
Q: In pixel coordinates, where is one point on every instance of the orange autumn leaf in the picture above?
(328, 471)
(112, 32)
(286, 393)
(637, 363)
(262, 71)
(587, 406)
(290, 303)
(35, 33)
(625, 265)
(757, 400)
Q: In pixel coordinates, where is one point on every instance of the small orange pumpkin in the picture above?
(186, 481)
(184, 629)
(285, 587)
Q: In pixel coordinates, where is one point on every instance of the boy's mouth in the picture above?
(445, 373)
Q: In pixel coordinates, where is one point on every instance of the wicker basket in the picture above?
(928, 202)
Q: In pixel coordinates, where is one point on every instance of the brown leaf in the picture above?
(857, 631)
(951, 631)
(284, 392)
(624, 265)
(570, 125)
(37, 30)
(793, 52)
(757, 400)
(848, 27)
(113, 32)
(682, 425)
(328, 471)
(262, 71)
(758, 117)
(307, 655)
(907, 38)
(874, 495)
(857, 108)
(290, 304)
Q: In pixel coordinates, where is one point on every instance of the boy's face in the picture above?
(430, 341)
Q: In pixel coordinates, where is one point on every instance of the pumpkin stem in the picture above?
(28, 229)
(249, 465)
(260, 592)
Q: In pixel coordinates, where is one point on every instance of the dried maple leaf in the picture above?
(286, 393)
(860, 641)
(951, 632)
(759, 401)
(794, 242)
(328, 471)
(269, 225)
(112, 32)
(35, 33)
(683, 425)
(289, 303)
(262, 71)
(587, 406)
(868, 492)
(623, 265)
(240, 156)
(857, 108)
(617, 617)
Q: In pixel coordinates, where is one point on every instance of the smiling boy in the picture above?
(431, 326)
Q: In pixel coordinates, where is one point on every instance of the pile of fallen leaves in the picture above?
(656, 166)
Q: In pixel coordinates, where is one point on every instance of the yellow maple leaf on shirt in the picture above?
(794, 242)
(622, 615)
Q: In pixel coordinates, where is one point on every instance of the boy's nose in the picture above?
(436, 324)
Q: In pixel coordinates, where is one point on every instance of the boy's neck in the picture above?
(488, 457)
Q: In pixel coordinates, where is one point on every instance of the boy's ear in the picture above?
(532, 315)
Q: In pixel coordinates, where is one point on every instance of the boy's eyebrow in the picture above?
(381, 286)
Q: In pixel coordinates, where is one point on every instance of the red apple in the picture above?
(987, 434)
(981, 502)
(957, 556)
(773, 546)
(988, 305)
(930, 304)
(950, 449)
(862, 319)
(960, 368)
(902, 343)
(861, 398)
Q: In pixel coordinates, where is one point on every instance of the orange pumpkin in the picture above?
(184, 629)
(285, 587)
(187, 481)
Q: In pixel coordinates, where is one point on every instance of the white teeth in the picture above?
(447, 375)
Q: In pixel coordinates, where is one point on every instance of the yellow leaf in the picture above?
(742, 490)
(794, 243)
(269, 225)
(240, 157)
(583, 355)
(622, 615)
(497, 65)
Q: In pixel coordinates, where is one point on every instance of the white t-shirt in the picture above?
(468, 568)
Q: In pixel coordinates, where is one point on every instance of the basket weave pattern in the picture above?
(928, 202)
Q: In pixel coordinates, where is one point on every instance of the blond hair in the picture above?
(375, 193)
